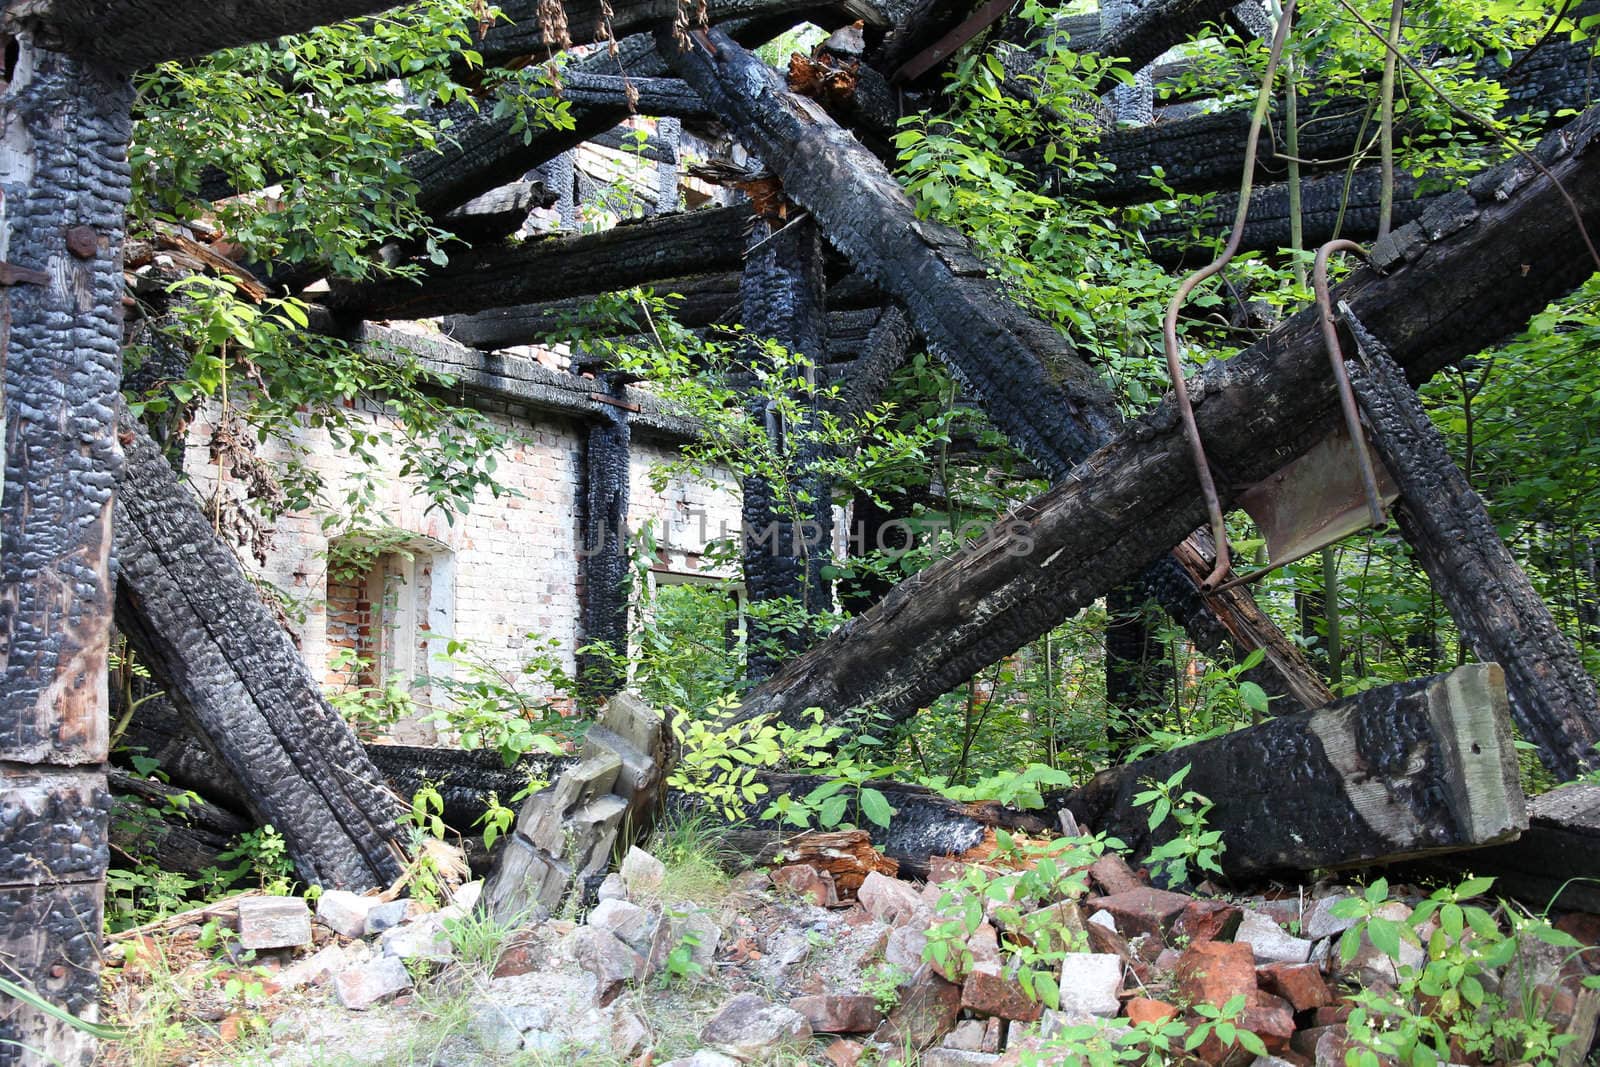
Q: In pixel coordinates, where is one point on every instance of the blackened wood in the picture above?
(163, 825)
(1422, 766)
(556, 267)
(1035, 387)
(1327, 209)
(126, 35)
(497, 213)
(1134, 662)
(187, 609)
(1496, 607)
(1471, 271)
(1155, 27)
(1207, 152)
(701, 300)
(520, 34)
(65, 181)
(604, 551)
(1554, 864)
(788, 527)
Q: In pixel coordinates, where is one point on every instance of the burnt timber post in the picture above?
(788, 528)
(1552, 696)
(604, 560)
(65, 182)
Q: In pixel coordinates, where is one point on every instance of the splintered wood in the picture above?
(569, 832)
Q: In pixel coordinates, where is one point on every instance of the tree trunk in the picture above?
(1423, 766)
(64, 127)
(1490, 598)
(1036, 389)
(788, 525)
(229, 667)
(1453, 282)
(556, 267)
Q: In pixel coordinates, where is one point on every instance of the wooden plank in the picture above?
(64, 129)
(1423, 766)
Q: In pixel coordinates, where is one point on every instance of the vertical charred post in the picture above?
(64, 178)
(605, 549)
(1133, 658)
(1552, 697)
(788, 524)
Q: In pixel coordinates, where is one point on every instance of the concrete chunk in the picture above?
(274, 922)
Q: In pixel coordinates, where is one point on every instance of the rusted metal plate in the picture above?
(944, 47)
(1315, 501)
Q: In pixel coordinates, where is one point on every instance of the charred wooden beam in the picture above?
(185, 605)
(698, 300)
(153, 823)
(1153, 28)
(1423, 766)
(591, 20)
(1552, 695)
(603, 554)
(125, 35)
(556, 267)
(1554, 864)
(64, 129)
(1477, 265)
(786, 538)
(1036, 388)
(1207, 152)
(1328, 209)
(498, 213)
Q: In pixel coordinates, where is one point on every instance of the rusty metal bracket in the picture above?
(602, 398)
(11, 274)
(944, 47)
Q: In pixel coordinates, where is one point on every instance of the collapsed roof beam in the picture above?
(556, 267)
(127, 35)
(1472, 270)
(1036, 388)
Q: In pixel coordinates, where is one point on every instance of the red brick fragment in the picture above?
(989, 991)
(1143, 1010)
(1143, 910)
(1300, 984)
(1214, 972)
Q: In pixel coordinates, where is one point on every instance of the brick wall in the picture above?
(507, 568)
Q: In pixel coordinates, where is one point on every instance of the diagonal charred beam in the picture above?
(126, 35)
(184, 603)
(1472, 270)
(557, 267)
(1471, 569)
(1037, 390)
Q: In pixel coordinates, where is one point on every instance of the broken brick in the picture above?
(836, 1013)
(1214, 972)
(804, 880)
(1207, 920)
(1142, 1010)
(988, 990)
(1301, 984)
(1144, 910)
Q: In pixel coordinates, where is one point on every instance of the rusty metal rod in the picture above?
(1169, 325)
(1347, 397)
